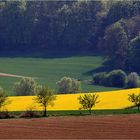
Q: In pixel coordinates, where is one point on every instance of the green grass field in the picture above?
(84, 112)
(49, 71)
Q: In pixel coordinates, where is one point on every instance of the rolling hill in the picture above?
(48, 71)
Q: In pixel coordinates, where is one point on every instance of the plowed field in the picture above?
(87, 127)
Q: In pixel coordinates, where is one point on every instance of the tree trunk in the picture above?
(89, 111)
(45, 112)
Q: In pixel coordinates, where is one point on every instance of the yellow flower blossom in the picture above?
(108, 100)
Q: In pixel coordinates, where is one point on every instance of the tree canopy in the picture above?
(110, 28)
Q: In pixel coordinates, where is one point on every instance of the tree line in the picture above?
(45, 97)
(48, 25)
(110, 28)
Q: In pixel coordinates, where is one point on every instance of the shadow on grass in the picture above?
(107, 67)
(16, 114)
(84, 112)
(45, 54)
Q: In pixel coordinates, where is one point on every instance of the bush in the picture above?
(5, 115)
(26, 86)
(69, 85)
(99, 78)
(29, 114)
(133, 80)
(117, 78)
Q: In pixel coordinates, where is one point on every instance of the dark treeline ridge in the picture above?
(110, 28)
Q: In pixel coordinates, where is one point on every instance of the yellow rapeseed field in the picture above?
(108, 100)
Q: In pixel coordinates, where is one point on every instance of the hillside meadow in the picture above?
(48, 71)
(108, 100)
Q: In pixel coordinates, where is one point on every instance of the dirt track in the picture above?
(10, 75)
(107, 127)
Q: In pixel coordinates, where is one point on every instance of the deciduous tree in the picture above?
(69, 85)
(88, 101)
(26, 86)
(45, 97)
(3, 98)
(135, 99)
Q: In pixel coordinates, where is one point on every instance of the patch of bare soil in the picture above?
(84, 127)
(10, 75)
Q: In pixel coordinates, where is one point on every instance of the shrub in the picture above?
(133, 80)
(99, 78)
(29, 114)
(117, 78)
(26, 86)
(5, 115)
(69, 85)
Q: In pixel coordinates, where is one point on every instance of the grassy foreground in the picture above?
(108, 100)
(94, 112)
(84, 112)
(49, 71)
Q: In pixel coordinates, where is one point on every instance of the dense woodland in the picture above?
(109, 28)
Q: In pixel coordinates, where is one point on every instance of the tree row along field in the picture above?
(108, 100)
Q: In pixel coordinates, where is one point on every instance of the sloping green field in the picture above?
(49, 71)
